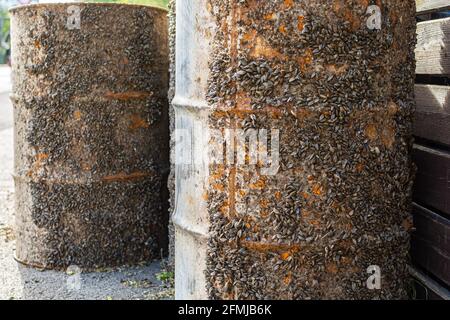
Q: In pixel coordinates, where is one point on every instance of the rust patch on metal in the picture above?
(128, 95)
(138, 123)
(126, 177)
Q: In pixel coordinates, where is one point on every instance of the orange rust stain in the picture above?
(394, 18)
(345, 244)
(242, 193)
(311, 218)
(379, 4)
(331, 268)
(218, 187)
(353, 19)
(342, 10)
(306, 214)
(224, 209)
(269, 247)
(359, 167)
(337, 70)
(264, 213)
(383, 130)
(285, 255)
(37, 44)
(77, 115)
(270, 16)
(262, 49)
(264, 203)
(86, 167)
(232, 191)
(217, 174)
(126, 177)
(300, 23)
(288, 3)
(129, 95)
(393, 108)
(305, 195)
(282, 29)
(303, 114)
(249, 36)
(41, 157)
(205, 196)
(306, 59)
(233, 31)
(278, 195)
(337, 6)
(317, 190)
(314, 222)
(260, 184)
(371, 131)
(346, 261)
(364, 3)
(138, 123)
(288, 278)
(388, 137)
(347, 226)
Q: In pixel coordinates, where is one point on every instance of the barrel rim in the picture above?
(86, 4)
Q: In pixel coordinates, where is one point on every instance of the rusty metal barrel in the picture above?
(328, 87)
(91, 134)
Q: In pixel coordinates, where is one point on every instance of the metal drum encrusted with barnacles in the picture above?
(91, 134)
(326, 87)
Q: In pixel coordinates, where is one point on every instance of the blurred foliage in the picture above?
(4, 34)
(156, 3)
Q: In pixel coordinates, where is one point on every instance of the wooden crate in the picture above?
(430, 244)
(425, 288)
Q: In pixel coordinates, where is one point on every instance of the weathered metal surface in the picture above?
(342, 96)
(91, 134)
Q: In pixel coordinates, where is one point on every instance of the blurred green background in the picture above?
(4, 19)
(4, 35)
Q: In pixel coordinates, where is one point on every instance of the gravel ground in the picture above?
(20, 282)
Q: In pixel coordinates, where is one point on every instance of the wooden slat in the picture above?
(427, 288)
(432, 185)
(432, 227)
(426, 6)
(432, 121)
(433, 47)
(430, 243)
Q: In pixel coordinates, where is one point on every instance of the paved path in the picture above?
(19, 282)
